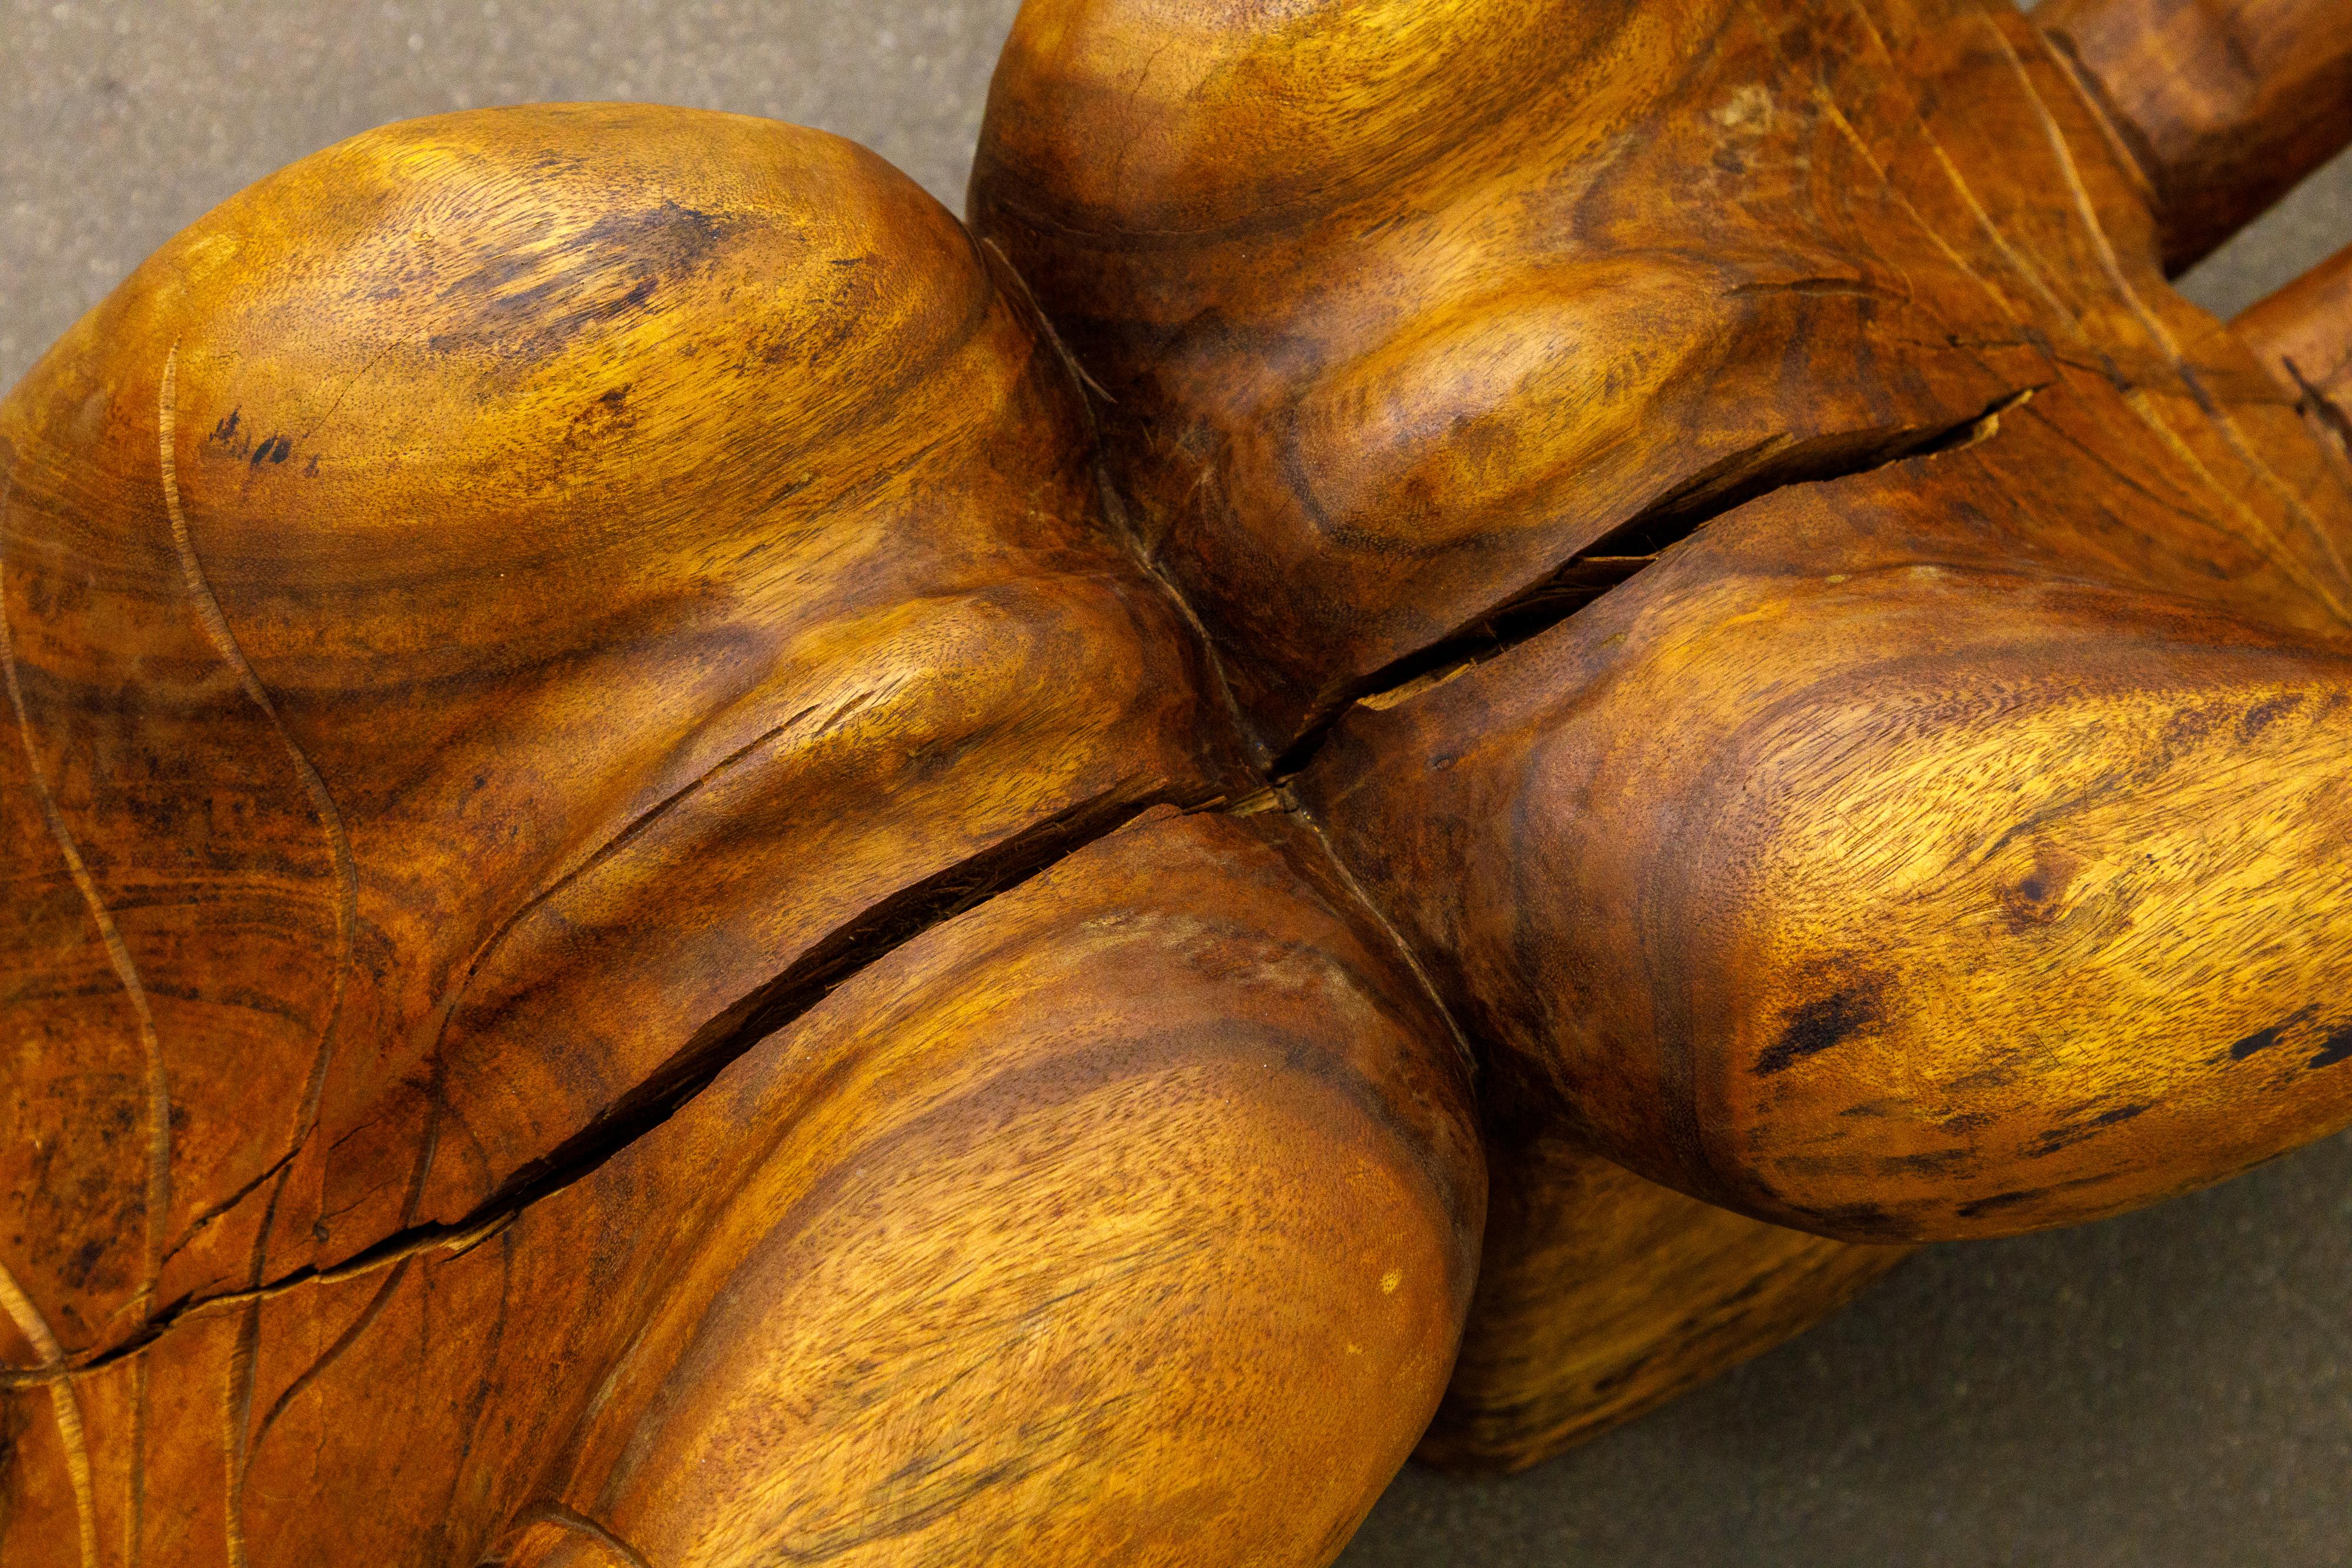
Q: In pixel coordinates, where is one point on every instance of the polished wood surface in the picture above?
(1602, 1296)
(2222, 104)
(701, 871)
(2304, 333)
(493, 612)
(1904, 847)
(893, 1288)
(1396, 308)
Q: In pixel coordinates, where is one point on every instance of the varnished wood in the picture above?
(1857, 933)
(2224, 104)
(503, 619)
(650, 524)
(1602, 1296)
(1790, 883)
(2303, 332)
(1394, 312)
(1903, 854)
(699, 870)
(1082, 1222)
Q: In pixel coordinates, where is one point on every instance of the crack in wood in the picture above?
(1625, 551)
(331, 819)
(721, 1042)
(157, 1194)
(2223, 422)
(2322, 410)
(64, 1404)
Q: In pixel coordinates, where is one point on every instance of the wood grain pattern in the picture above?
(1602, 1296)
(884, 1291)
(651, 525)
(1411, 355)
(1388, 330)
(1904, 855)
(700, 871)
(1930, 900)
(2224, 107)
(2304, 333)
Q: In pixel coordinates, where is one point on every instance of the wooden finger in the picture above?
(2225, 103)
(1923, 897)
(2303, 332)
(465, 666)
(1128, 1217)
(1394, 309)
(1602, 1296)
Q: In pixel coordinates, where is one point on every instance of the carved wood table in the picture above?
(699, 869)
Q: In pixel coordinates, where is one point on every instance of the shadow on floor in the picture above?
(2171, 1387)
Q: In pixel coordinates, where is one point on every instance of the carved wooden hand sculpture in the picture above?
(702, 871)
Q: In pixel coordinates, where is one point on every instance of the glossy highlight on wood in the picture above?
(2223, 108)
(1899, 849)
(1476, 703)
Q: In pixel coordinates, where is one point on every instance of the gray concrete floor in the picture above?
(2172, 1388)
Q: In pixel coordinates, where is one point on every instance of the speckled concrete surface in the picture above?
(2172, 1388)
(128, 119)
(2169, 1390)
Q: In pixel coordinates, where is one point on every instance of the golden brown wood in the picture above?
(1067, 1233)
(651, 525)
(1602, 1296)
(1904, 853)
(2224, 104)
(2303, 332)
(1395, 311)
(503, 617)
(678, 891)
